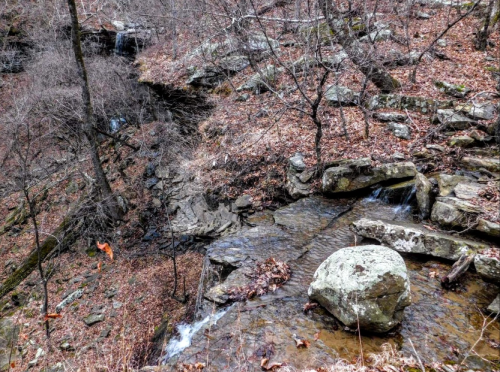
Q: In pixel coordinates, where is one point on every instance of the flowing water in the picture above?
(442, 325)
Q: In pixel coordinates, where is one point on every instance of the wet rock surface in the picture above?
(350, 176)
(311, 230)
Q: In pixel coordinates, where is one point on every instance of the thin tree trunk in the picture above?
(112, 207)
(362, 59)
(482, 35)
(32, 214)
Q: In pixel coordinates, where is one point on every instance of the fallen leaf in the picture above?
(106, 248)
(51, 316)
(13, 365)
(316, 336)
(432, 274)
(300, 342)
(99, 266)
(310, 306)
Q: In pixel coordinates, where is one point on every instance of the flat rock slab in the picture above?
(92, 319)
(413, 238)
(347, 178)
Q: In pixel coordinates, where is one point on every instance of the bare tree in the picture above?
(89, 123)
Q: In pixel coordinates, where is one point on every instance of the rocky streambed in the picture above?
(439, 325)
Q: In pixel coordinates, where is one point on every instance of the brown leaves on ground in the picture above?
(106, 248)
(492, 253)
(192, 367)
(267, 276)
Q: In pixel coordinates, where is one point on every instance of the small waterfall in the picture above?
(186, 333)
(391, 196)
(116, 123)
(120, 43)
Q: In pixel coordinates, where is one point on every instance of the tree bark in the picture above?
(88, 127)
(362, 59)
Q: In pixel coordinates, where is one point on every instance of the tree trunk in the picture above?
(362, 59)
(482, 35)
(88, 127)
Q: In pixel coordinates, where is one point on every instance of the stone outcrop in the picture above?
(262, 80)
(413, 238)
(337, 95)
(350, 175)
(452, 120)
(420, 104)
(454, 90)
(400, 130)
(366, 286)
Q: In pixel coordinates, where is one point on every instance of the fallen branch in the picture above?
(457, 270)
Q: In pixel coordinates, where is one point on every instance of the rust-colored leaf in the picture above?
(51, 316)
(310, 306)
(99, 266)
(106, 248)
(300, 342)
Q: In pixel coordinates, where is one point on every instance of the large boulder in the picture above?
(366, 286)
(413, 238)
(420, 104)
(475, 163)
(351, 175)
(447, 182)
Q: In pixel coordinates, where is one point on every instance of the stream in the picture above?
(440, 325)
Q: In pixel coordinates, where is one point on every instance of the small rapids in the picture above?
(186, 332)
(437, 324)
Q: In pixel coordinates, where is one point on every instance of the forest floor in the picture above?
(247, 155)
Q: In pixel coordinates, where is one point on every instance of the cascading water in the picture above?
(187, 331)
(387, 195)
(120, 43)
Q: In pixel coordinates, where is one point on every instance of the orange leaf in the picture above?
(51, 316)
(13, 365)
(99, 266)
(106, 248)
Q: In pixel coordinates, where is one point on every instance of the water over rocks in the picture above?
(304, 234)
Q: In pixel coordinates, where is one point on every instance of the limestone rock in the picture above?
(424, 188)
(92, 319)
(337, 95)
(413, 238)
(460, 141)
(297, 180)
(378, 35)
(453, 120)
(242, 203)
(478, 111)
(348, 177)
(494, 307)
(474, 163)
(420, 104)
(488, 266)
(365, 285)
(458, 91)
(69, 299)
(447, 182)
(454, 212)
(390, 116)
(400, 130)
(261, 81)
(488, 227)
(468, 191)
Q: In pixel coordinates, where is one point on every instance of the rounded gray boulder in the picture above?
(365, 285)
